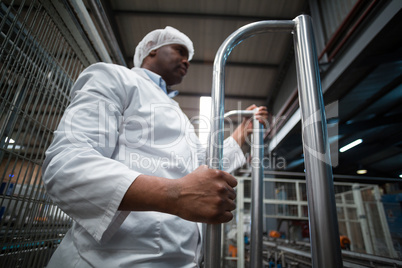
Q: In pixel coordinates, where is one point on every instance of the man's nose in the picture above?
(186, 62)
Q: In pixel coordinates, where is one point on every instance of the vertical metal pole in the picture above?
(256, 194)
(324, 232)
(240, 223)
(212, 245)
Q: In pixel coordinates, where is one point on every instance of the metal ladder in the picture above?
(324, 234)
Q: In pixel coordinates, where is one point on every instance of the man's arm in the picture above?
(205, 195)
(246, 127)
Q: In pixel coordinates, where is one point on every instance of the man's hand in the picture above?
(205, 195)
(246, 127)
(262, 116)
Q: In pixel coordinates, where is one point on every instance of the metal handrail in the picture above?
(324, 233)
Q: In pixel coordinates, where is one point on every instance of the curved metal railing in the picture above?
(324, 234)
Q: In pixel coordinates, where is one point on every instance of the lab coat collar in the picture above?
(158, 80)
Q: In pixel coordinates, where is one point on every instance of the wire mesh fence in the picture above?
(37, 69)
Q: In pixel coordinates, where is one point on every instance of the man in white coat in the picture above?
(126, 165)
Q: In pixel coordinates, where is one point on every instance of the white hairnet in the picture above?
(159, 38)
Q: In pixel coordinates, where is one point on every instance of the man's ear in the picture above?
(152, 53)
(149, 57)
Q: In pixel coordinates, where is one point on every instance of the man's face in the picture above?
(171, 62)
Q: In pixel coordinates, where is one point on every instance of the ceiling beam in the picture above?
(381, 155)
(376, 97)
(372, 123)
(119, 12)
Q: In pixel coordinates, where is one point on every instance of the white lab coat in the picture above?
(119, 125)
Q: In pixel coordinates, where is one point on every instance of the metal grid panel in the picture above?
(37, 69)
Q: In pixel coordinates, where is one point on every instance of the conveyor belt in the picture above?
(297, 254)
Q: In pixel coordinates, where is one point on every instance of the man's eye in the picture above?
(181, 51)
